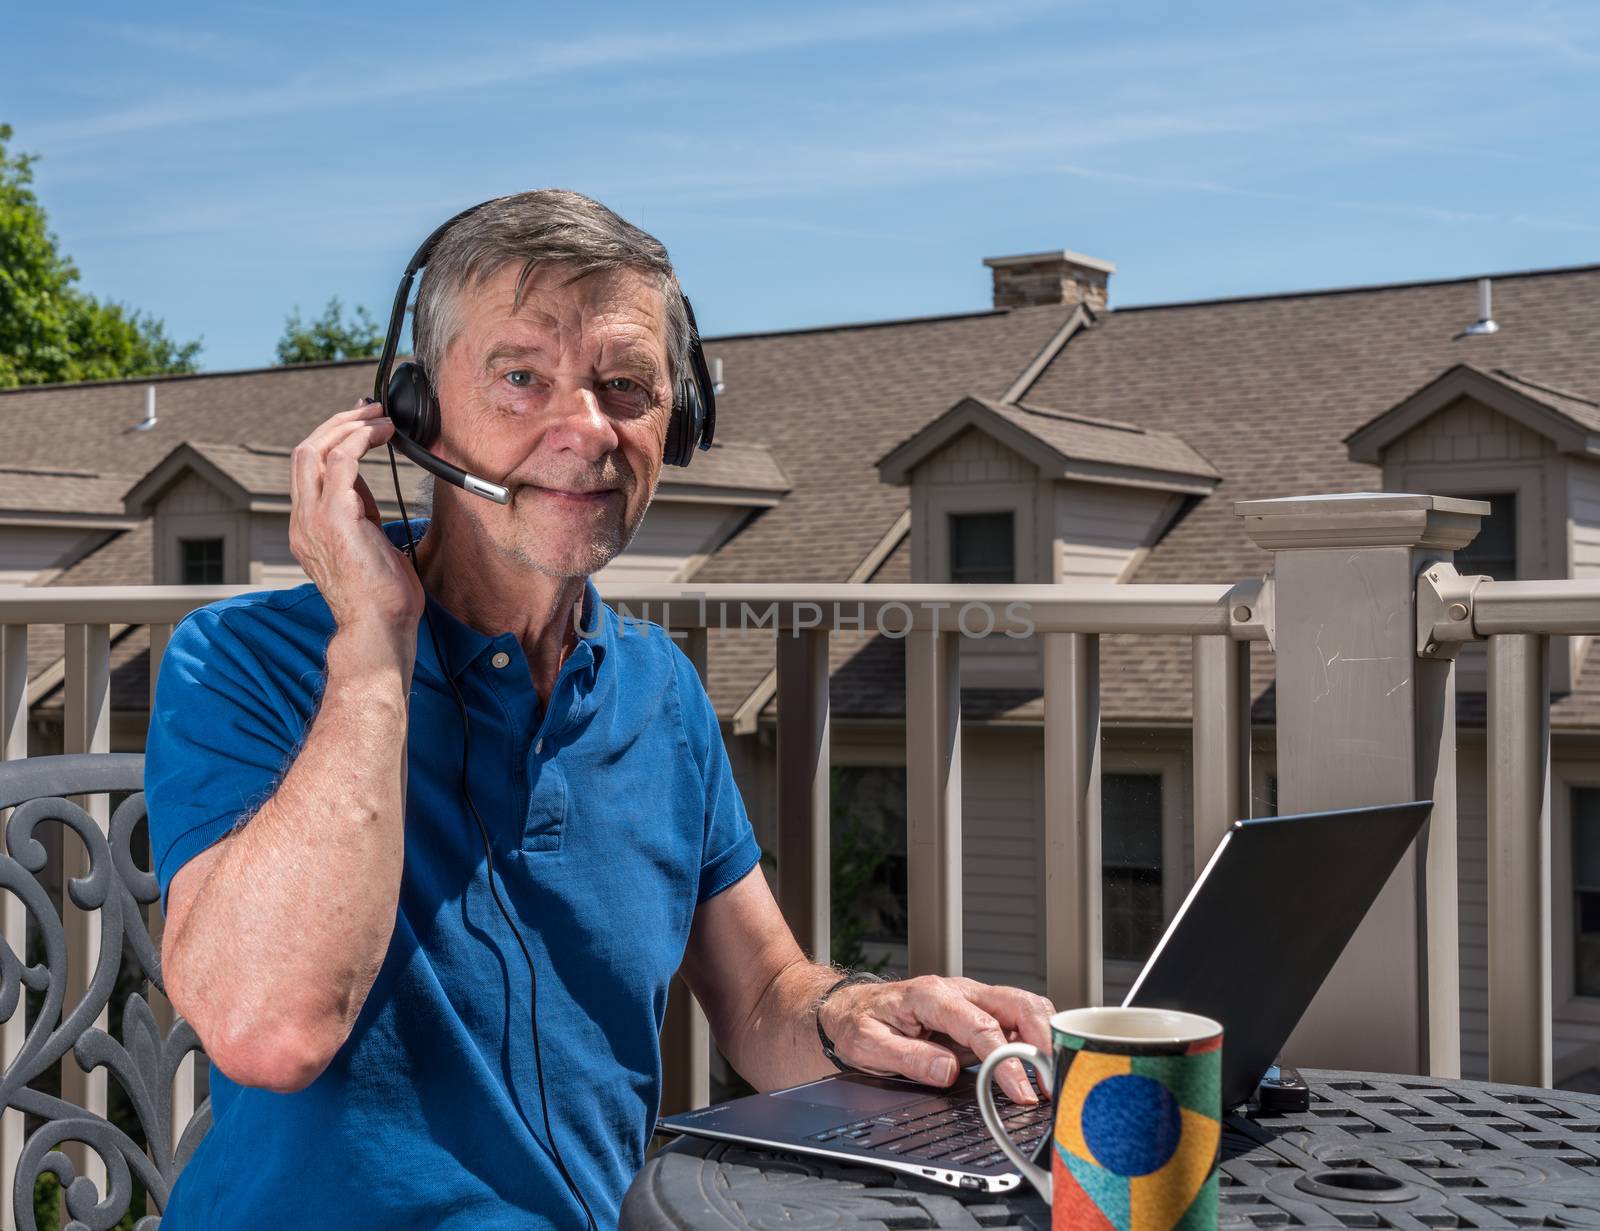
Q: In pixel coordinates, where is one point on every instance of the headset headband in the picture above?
(397, 314)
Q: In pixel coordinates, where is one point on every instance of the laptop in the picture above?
(1257, 934)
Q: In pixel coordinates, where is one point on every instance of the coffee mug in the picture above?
(1138, 1122)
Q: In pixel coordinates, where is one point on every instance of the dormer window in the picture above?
(983, 547)
(200, 562)
(1494, 552)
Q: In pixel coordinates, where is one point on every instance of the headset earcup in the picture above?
(411, 404)
(683, 428)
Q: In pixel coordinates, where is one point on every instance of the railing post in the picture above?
(13, 746)
(1074, 962)
(1221, 729)
(87, 729)
(804, 831)
(1364, 718)
(933, 802)
(1519, 860)
(686, 1034)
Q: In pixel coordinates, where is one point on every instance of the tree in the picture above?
(50, 328)
(329, 336)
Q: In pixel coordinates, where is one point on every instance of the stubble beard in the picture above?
(581, 559)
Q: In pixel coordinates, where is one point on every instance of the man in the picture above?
(331, 933)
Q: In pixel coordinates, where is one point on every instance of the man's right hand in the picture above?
(335, 531)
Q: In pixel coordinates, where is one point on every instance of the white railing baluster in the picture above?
(1519, 860)
(13, 746)
(804, 848)
(1074, 966)
(1221, 730)
(933, 802)
(87, 729)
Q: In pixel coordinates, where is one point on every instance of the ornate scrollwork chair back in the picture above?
(145, 1060)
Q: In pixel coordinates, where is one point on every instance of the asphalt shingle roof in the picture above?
(1263, 390)
(1105, 440)
(39, 489)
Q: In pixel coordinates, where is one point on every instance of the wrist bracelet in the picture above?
(859, 976)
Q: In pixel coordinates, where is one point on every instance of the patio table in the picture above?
(1374, 1151)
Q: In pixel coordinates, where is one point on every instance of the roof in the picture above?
(1061, 445)
(257, 476)
(829, 403)
(1268, 388)
(1570, 421)
(1262, 390)
(45, 489)
(741, 469)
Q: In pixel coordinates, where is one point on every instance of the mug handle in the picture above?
(1036, 1176)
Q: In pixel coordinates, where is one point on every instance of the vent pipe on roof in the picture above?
(716, 376)
(149, 420)
(1485, 324)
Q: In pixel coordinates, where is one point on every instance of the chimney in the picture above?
(1050, 277)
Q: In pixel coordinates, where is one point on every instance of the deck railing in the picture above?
(1364, 613)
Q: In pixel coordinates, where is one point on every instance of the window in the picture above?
(1130, 828)
(1494, 551)
(868, 804)
(982, 547)
(1586, 890)
(200, 562)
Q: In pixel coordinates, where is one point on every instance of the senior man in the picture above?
(331, 933)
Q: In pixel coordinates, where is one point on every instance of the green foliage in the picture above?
(51, 329)
(330, 336)
(47, 1205)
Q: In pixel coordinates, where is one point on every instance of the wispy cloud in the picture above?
(198, 44)
(312, 90)
(1407, 209)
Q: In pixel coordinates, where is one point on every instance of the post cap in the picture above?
(1362, 519)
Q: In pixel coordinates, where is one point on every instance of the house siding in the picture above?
(26, 551)
(1099, 529)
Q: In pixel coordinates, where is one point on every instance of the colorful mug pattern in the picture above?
(1138, 1119)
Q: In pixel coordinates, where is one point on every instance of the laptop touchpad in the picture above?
(855, 1095)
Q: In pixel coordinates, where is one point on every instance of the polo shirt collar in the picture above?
(462, 645)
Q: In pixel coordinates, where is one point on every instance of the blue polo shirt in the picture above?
(612, 812)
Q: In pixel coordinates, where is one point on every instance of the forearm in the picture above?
(285, 935)
(778, 1045)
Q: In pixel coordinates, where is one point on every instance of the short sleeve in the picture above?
(730, 849)
(218, 743)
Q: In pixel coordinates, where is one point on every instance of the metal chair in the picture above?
(144, 1062)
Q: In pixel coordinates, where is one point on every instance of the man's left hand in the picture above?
(930, 1027)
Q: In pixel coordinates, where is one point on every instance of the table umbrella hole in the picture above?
(1354, 1185)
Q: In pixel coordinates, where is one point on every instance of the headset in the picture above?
(412, 405)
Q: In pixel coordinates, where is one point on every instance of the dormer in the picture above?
(221, 512)
(1009, 492)
(1083, 495)
(1530, 448)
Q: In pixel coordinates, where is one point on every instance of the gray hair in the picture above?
(550, 226)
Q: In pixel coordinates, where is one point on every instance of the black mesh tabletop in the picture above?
(1374, 1151)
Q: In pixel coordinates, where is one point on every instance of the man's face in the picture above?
(564, 400)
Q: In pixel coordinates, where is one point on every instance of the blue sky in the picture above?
(221, 164)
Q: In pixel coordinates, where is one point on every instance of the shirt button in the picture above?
(501, 659)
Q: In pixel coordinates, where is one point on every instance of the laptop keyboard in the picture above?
(945, 1130)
